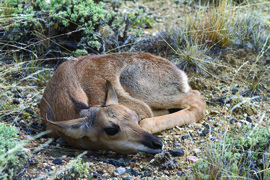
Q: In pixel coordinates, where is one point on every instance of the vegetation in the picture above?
(242, 156)
(33, 31)
(11, 152)
(62, 28)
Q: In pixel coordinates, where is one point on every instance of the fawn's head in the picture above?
(109, 127)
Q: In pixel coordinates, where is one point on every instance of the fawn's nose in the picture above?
(156, 144)
(152, 141)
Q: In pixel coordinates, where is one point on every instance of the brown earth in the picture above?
(228, 78)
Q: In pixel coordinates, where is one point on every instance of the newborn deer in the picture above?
(115, 101)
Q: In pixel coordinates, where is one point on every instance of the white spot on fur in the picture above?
(186, 87)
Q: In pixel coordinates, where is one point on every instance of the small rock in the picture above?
(29, 111)
(116, 163)
(166, 172)
(180, 174)
(222, 102)
(97, 175)
(57, 161)
(48, 167)
(232, 121)
(215, 125)
(32, 161)
(16, 101)
(36, 127)
(126, 178)
(185, 137)
(196, 150)
(193, 159)
(210, 119)
(147, 174)
(248, 119)
(213, 137)
(239, 125)
(17, 124)
(141, 7)
(21, 106)
(176, 144)
(176, 152)
(17, 96)
(206, 126)
(132, 172)
(177, 2)
(29, 131)
(234, 91)
(121, 170)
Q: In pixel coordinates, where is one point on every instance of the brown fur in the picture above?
(133, 86)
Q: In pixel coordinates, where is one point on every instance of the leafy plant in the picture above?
(241, 156)
(11, 152)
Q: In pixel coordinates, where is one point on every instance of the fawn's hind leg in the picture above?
(193, 110)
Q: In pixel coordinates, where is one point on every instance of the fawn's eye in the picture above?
(111, 131)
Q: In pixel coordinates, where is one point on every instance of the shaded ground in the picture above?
(229, 82)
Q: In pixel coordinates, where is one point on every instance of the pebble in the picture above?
(176, 144)
(57, 161)
(16, 101)
(133, 172)
(166, 172)
(233, 121)
(48, 167)
(121, 170)
(176, 152)
(193, 159)
(196, 150)
(97, 175)
(32, 161)
(29, 111)
(147, 174)
(238, 124)
(213, 137)
(180, 174)
(248, 119)
(185, 137)
(126, 178)
(116, 163)
(36, 127)
(29, 131)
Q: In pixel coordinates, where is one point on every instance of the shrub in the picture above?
(44, 25)
(59, 28)
(11, 152)
(241, 156)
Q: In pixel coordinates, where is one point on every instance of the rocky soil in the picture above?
(227, 85)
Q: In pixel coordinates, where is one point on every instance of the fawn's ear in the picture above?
(75, 128)
(111, 96)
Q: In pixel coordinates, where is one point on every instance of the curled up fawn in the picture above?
(115, 101)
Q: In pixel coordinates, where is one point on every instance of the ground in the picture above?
(227, 83)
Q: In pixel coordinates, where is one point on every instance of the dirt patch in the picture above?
(228, 82)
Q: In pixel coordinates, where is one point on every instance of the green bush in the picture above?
(59, 28)
(241, 156)
(11, 152)
(40, 22)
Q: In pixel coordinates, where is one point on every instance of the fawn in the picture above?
(115, 101)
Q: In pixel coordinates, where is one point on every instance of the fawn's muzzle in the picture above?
(152, 142)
